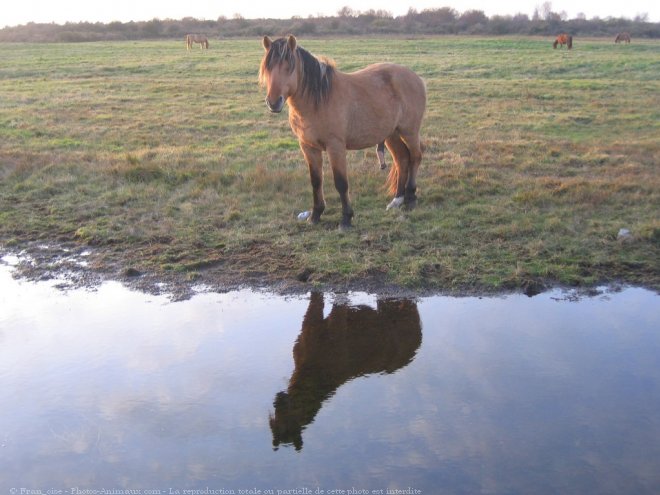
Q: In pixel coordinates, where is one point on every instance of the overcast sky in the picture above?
(14, 12)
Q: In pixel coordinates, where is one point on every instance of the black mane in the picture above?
(317, 76)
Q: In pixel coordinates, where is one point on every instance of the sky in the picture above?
(60, 11)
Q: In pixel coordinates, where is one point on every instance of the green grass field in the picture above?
(168, 162)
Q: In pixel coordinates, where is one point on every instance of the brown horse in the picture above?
(621, 37)
(563, 39)
(333, 111)
(196, 38)
(349, 343)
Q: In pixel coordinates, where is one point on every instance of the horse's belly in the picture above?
(371, 124)
(354, 131)
(370, 135)
(362, 144)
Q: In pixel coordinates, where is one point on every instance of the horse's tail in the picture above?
(392, 180)
(554, 45)
(392, 183)
(569, 42)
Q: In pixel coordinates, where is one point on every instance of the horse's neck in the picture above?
(301, 109)
(304, 105)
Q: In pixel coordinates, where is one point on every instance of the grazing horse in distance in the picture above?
(621, 37)
(563, 39)
(196, 38)
(348, 343)
(333, 111)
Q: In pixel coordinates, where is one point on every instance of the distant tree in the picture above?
(472, 21)
(152, 28)
(116, 26)
(383, 14)
(444, 15)
(499, 24)
(438, 20)
(347, 22)
(346, 11)
(546, 10)
(173, 31)
(303, 27)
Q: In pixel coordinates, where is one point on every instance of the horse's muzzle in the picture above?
(277, 106)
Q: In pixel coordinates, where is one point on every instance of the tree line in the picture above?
(445, 20)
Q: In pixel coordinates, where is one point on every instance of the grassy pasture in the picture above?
(167, 162)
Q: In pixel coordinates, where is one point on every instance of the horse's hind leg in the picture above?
(414, 147)
(399, 172)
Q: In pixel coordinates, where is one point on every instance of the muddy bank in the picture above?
(78, 266)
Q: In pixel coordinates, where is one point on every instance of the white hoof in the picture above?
(395, 203)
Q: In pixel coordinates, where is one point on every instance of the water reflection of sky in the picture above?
(117, 389)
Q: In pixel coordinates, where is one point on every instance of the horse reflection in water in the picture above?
(349, 343)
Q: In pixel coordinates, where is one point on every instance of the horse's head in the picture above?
(278, 71)
(285, 423)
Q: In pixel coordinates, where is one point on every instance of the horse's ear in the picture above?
(292, 42)
(267, 42)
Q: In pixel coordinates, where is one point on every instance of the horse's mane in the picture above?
(316, 75)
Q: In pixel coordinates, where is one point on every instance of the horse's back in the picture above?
(398, 77)
(393, 84)
(377, 100)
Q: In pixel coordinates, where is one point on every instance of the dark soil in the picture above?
(77, 266)
(80, 266)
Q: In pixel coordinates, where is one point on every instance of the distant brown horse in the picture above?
(622, 37)
(350, 342)
(563, 39)
(333, 111)
(196, 38)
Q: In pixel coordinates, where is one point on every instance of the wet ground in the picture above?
(78, 266)
(107, 388)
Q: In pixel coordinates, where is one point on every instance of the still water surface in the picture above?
(113, 389)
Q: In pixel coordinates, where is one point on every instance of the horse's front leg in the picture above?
(314, 158)
(337, 155)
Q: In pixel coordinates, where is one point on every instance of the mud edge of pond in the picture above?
(75, 266)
